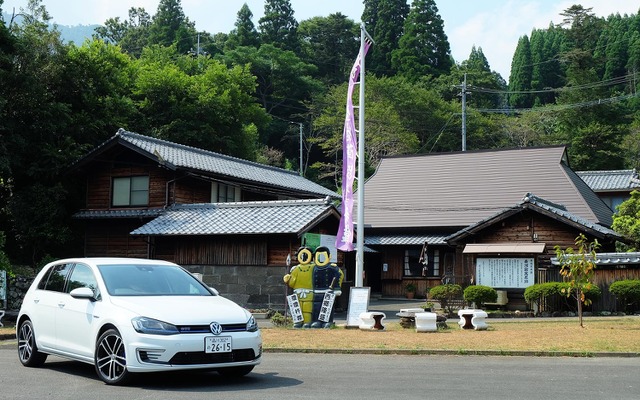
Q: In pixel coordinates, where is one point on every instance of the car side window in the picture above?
(82, 276)
(55, 279)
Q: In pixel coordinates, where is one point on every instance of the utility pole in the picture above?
(301, 174)
(464, 113)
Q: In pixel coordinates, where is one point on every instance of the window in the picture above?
(131, 191)
(54, 280)
(222, 193)
(82, 276)
(412, 265)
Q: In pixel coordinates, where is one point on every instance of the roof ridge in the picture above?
(256, 203)
(608, 172)
(532, 198)
(124, 133)
(478, 151)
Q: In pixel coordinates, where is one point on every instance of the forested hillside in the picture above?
(251, 91)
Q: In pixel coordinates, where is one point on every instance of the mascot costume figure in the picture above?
(300, 279)
(327, 277)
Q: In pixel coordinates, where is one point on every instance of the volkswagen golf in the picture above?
(126, 316)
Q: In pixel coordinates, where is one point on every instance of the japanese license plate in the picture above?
(217, 344)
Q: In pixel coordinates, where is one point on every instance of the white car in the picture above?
(126, 315)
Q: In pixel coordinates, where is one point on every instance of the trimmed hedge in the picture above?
(627, 291)
(480, 294)
(539, 291)
(445, 293)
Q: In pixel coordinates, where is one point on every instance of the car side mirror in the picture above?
(83, 293)
(214, 291)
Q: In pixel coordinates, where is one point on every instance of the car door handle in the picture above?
(61, 305)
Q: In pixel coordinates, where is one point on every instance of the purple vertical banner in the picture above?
(344, 239)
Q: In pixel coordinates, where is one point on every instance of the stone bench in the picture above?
(473, 319)
(426, 322)
(372, 320)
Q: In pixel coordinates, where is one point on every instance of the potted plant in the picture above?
(410, 289)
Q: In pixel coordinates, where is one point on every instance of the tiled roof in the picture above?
(530, 201)
(404, 239)
(99, 214)
(603, 259)
(177, 156)
(259, 217)
(461, 188)
(611, 181)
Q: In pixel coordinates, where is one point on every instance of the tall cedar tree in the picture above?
(278, 26)
(521, 72)
(384, 21)
(170, 26)
(244, 33)
(479, 74)
(423, 48)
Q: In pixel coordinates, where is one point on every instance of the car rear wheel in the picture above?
(110, 358)
(235, 372)
(27, 347)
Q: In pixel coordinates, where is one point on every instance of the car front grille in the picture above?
(206, 329)
(200, 357)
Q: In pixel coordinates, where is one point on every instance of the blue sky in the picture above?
(493, 25)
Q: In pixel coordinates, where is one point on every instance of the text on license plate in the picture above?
(217, 344)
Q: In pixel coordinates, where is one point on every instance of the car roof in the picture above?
(112, 261)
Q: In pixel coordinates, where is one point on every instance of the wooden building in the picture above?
(476, 214)
(236, 222)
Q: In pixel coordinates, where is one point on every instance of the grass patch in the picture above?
(607, 334)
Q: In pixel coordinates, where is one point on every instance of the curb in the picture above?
(10, 341)
(460, 352)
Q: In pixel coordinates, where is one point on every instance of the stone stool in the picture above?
(372, 320)
(426, 322)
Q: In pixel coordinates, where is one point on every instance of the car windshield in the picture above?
(150, 280)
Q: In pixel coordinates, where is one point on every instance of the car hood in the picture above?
(184, 310)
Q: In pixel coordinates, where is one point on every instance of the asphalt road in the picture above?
(320, 376)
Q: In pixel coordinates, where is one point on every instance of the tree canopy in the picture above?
(249, 92)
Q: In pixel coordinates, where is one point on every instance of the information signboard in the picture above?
(505, 272)
(358, 303)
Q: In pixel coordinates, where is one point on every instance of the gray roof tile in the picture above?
(623, 180)
(177, 156)
(260, 217)
(404, 239)
(124, 213)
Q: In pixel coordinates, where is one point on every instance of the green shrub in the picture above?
(627, 291)
(445, 293)
(480, 294)
(278, 319)
(535, 293)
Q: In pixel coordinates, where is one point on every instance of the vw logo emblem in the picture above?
(216, 328)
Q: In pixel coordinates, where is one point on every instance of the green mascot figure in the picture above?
(300, 279)
(327, 278)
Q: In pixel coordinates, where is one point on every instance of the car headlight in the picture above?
(153, 326)
(252, 325)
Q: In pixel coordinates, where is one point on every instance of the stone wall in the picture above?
(251, 287)
(16, 289)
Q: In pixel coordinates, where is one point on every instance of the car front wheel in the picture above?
(110, 358)
(27, 348)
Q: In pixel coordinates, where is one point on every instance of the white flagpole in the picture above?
(361, 178)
